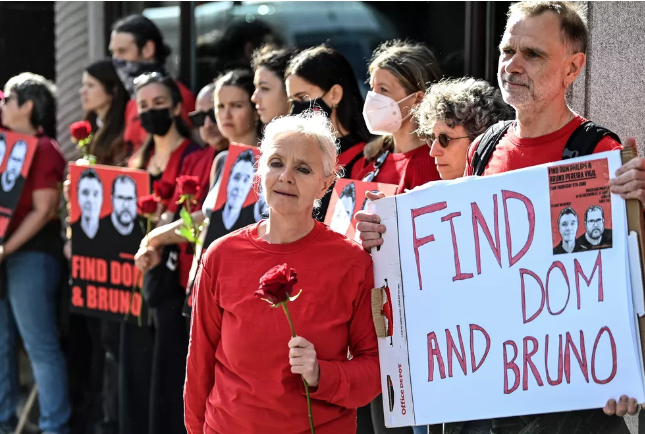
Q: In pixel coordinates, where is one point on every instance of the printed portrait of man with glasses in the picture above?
(596, 236)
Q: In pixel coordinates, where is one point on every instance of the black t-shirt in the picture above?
(583, 244)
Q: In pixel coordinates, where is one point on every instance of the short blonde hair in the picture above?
(310, 124)
(412, 63)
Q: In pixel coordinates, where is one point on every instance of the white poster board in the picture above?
(484, 275)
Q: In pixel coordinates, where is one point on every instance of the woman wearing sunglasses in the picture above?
(399, 74)
(452, 114)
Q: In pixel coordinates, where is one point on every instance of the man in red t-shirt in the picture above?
(541, 54)
(137, 39)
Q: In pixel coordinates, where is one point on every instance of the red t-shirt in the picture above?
(407, 170)
(134, 132)
(199, 164)
(514, 153)
(47, 171)
(238, 378)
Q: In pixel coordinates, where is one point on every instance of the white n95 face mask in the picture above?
(382, 114)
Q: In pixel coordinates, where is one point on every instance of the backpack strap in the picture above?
(487, 146)
(584, 139)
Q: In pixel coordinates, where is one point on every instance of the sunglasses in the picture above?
(198, 118)
(444, 140)
(377, 167)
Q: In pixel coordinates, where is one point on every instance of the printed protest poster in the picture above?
(106, 234)
(580, 206)
(476, 304)
(237, 204)
(16, 154)
(347, 198)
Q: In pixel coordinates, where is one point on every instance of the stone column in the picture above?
(79, 41)
(612, 89)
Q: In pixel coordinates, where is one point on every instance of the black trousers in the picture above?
(152, 373)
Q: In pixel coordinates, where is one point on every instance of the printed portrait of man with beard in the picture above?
(596, 236)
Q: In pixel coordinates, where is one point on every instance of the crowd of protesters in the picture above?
(231, 368)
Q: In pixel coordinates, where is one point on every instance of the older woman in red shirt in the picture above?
(243, 372)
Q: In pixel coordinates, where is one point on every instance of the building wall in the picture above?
(80, 40)
(612, 90)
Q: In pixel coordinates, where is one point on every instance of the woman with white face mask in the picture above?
(399, 74)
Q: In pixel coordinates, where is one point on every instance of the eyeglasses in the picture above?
(377, 167)
(444, 140)
(198, 117)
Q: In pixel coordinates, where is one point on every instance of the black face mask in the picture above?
(316, 104)
(128, 71)
(156, 121)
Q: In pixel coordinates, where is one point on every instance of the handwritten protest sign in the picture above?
(479, 304)
(16, 154)
(106, 234)
(347, 198)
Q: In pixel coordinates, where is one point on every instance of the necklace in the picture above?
(158, 162)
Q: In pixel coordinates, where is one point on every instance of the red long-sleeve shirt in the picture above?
(238, 377)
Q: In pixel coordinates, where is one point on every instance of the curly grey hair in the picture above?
(469, 102)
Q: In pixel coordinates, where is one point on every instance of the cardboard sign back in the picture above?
(635, 223)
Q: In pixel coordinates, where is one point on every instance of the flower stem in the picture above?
(293, 335)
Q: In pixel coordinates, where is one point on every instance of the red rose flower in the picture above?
(188, 185)
(163, 190)
(80, 130)
(277, 284)
(147, 204)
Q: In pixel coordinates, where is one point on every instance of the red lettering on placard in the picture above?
(124, 302)
(434, 351)
(458, 274)
(614, 358)
(115, 273)
(579, 272)
(530, 213)
(512, 366)
(526, 357)
(478, 219)
(90, 293)
(475, 366)
(418, 242)
(452, 349)
(103, 303)
(77, 297)
(91, 269)
(523, 272)
(114, 300)
(546, 362)
(582, 357)
(136, 304)
(559, 266)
